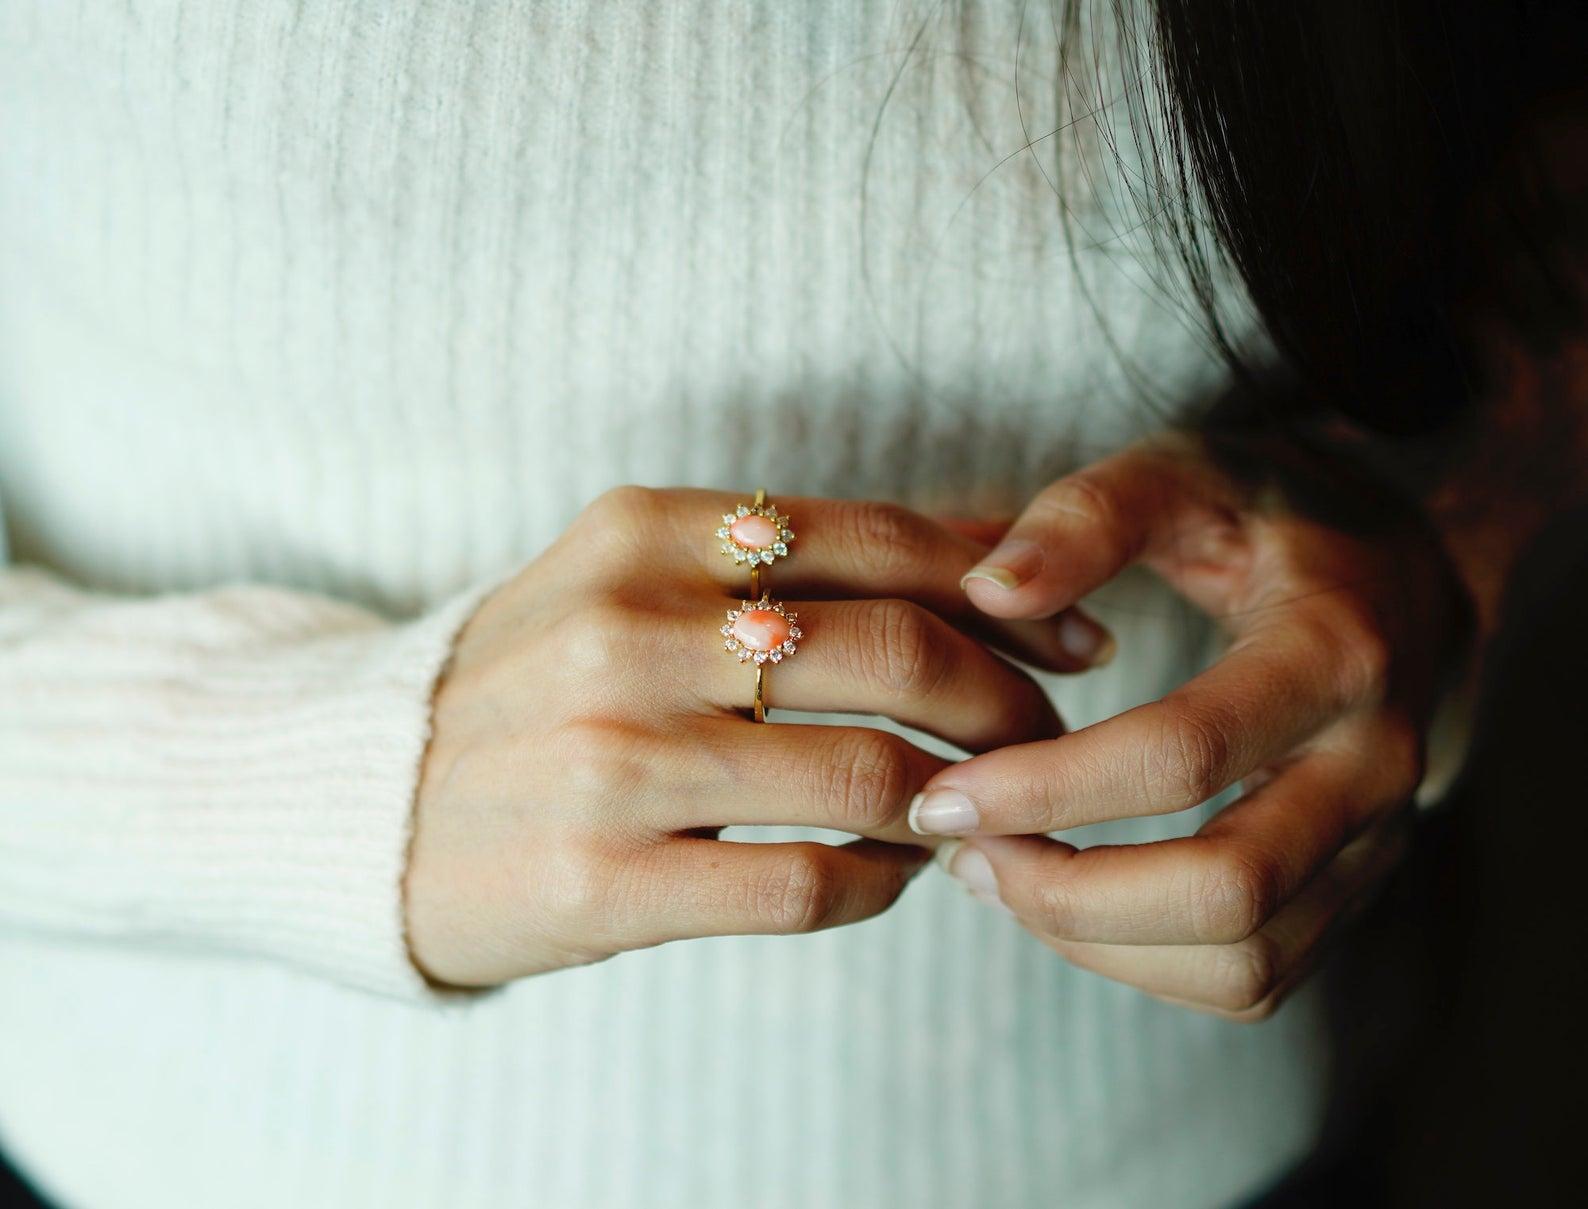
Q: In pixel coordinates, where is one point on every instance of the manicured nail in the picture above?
(943, 812)
(970, 867)
(1086, 640)
(1009, 565)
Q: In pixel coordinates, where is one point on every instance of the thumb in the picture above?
(1079, 533)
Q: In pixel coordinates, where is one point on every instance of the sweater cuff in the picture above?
(231, 772)
(313, 874)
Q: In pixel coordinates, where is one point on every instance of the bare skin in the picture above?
(1319, 705)
(590, 735)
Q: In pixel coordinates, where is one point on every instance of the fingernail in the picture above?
(943, 812)
(1086, 640)
(1009, 565)
(971, 868)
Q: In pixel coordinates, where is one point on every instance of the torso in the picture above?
(370, 300)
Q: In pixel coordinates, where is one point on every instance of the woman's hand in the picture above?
(590, 735)
(1319, 707)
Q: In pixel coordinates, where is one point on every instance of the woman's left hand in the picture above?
(1319, 707)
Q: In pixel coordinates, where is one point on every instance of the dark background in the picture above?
(1479, 1104)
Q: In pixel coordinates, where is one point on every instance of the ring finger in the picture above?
(894, 659)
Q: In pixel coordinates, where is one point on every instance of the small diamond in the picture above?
(766, 556)
(788, 647)
(742, 510)
(723, 532)
(776, 656)
(795, 632)
(788, 535)
(727, 518)
(726, 630)
(739, 556)
(733, 614)
(731, 645)
(760, 656)
(779, 549)
(744, 654)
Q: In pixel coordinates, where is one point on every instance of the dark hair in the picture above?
(1365, 168)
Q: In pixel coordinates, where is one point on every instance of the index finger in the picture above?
(1084, 529)
(1273, 690)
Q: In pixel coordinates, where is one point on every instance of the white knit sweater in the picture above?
(317, 317)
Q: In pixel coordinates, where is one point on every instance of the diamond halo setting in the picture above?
(761, 631)
(755, 534)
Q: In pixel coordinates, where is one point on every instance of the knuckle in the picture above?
(1238, 895)
(867, 777)
(1056, 909)
(885, 535)
(898, 645)
(621, 503)
(1359, 649)
(584, 881)
(802, 894)
(612, 522)
(1081, 496)
(1372, 656)
(1246, 976)
(1187, 764)
(583, 742)
(601, 759)
(598, 637)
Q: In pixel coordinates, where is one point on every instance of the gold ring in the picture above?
(755, 534)
(762, 632)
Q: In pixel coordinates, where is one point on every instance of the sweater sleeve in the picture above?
(231, 770)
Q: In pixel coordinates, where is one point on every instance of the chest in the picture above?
(275, 276)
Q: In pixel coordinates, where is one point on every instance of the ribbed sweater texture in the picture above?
(316, 319)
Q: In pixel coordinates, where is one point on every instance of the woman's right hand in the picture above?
(591, 734)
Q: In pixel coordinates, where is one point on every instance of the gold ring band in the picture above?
(760, 630)
(755, 594)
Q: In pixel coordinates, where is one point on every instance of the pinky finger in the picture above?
(1248, 980)
(726, 888)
